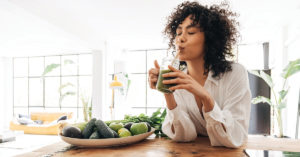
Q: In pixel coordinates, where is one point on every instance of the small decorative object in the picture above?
(115, 84)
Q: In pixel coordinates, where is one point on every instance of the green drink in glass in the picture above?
(163, 70)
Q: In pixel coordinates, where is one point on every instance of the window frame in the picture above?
(61, 76)
(145, 73)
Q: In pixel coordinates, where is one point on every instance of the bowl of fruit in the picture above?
(96, 133)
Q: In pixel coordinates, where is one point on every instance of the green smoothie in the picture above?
(164, 87)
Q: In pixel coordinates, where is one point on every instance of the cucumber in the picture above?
(104, 130)
(89, 128)
(95, 135)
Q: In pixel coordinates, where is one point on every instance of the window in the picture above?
(140, 97)
(60, 89)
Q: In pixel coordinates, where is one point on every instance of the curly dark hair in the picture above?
(220, 30)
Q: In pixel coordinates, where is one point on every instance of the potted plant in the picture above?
(49, 68)
(279, 101)
(87, 107)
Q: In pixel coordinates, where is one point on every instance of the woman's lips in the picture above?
(180, 49)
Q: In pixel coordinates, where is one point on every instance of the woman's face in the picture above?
(189, 41)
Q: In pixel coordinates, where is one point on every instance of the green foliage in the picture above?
(87, 107)
(261, 99)
(155, 120)
(292, 68)
(267, 78)
(282, 94)
(64, 86)
(64, 95)
(50, 68)
(53, 66)
(68, 61)
(279, 98)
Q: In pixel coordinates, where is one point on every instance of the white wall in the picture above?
(99, 79)
(293, 52)
(5, 92)
(24, 34)
(284, 47)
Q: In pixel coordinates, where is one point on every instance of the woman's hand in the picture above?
(153, 75)
(185, 81)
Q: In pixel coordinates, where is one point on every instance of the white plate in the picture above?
(108, 142)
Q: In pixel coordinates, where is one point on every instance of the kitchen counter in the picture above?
(165, 147)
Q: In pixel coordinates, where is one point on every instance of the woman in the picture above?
(212, 95)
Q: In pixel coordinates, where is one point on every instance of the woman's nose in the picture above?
(182, 39)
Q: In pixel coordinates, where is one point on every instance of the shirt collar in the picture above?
(212, 79)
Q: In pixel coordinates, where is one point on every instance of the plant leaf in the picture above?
(261, 74)
(68, 61)
(292, 68)
(282, 105)
(255, 73)
(261, 99)
(65, 85)
(267, 78)
(293, 71)
(64, 95)
(163, 115)
(282, 94)
(49, 68)
(156, 113)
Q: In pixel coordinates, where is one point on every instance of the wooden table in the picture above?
(156, 147)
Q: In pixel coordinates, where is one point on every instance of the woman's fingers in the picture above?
(181, 86)
(156, 64)
(175, 81)
(174, 74)
(153, 75)
(152, 82)
(173, 69)
(153, 71)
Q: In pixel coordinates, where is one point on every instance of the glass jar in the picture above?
(163, 70)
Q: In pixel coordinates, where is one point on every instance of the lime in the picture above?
(116, 126)
(122, 129)
(80, 125)
(124, 132)
(139, 128)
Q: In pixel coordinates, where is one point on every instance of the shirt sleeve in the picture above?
(234, 116)
(184, 128)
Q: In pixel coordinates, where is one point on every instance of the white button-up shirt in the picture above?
(232, 102)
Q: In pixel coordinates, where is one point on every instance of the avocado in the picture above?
(89, 128)
(128, 125)
(95, 135)
(115, 134)
(149, 126)
(104, 130)
(71, 131)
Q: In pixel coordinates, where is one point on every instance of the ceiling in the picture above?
(35, 27)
